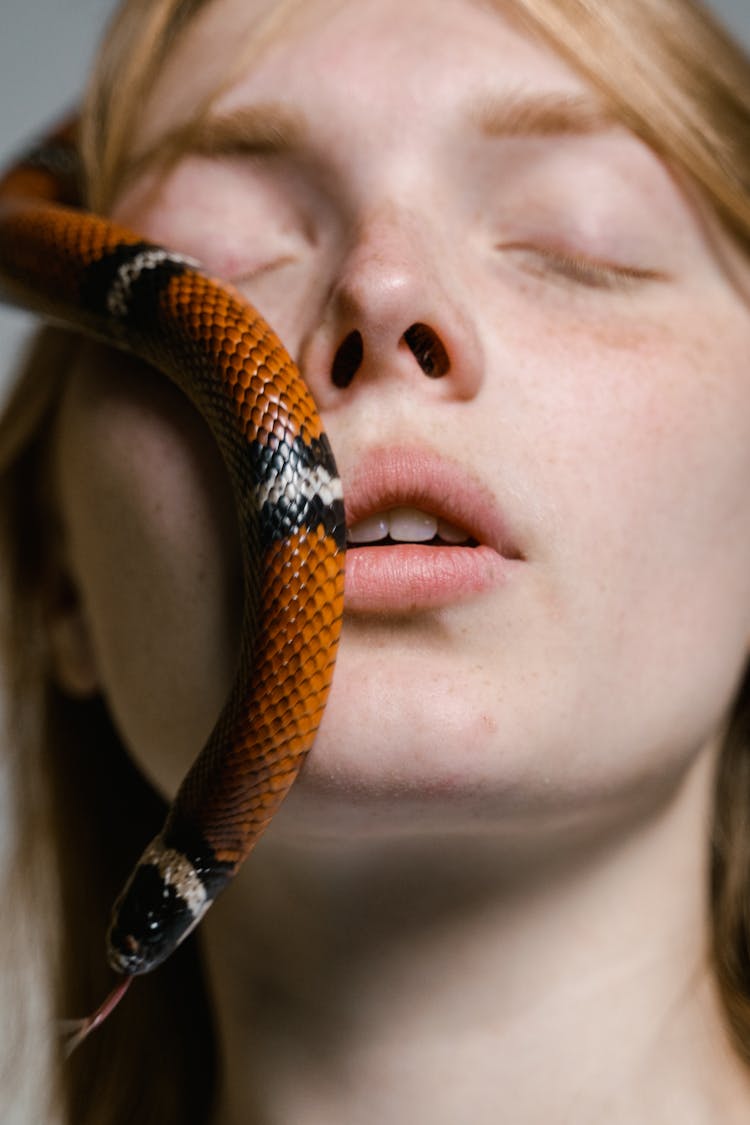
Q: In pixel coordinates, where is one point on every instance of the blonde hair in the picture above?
(679, 83)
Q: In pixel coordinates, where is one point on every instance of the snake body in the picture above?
(97, 277)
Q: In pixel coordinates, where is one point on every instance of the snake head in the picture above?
(149, 920)
(165, 897)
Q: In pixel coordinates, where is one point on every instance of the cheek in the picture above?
(636, 435)
(646, 464)
(153, 549)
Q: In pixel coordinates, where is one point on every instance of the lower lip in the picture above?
(409, 577)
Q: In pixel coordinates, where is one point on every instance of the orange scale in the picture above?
(249, 331)
(280, 426)
(330, 566)
(307, 627)
(318, 684)
(293, 723)
(275, 652)
(260, 398)
(296, 584)
(263, 372)
(288, 765)
(271, 726)
(276, 693)
(328, 635)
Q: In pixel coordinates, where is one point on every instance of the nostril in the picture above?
(347, 360)
(428, 350)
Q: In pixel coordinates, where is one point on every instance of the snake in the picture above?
(96, 277)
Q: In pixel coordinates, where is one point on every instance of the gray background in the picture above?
(45, 48)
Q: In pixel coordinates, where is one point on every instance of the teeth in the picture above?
(369, 530)
(450, 532)
(409, 525)
(405, 525)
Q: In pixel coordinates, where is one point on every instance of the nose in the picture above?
(394, 312)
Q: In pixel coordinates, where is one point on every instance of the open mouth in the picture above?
(407, 525)
(440, 536)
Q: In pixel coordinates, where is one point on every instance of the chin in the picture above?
(451, 763)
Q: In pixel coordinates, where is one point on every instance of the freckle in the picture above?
(489, 724)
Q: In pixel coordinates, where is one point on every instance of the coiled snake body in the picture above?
(94, 276)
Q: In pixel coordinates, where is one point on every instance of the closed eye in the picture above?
(591, 273)
(252, 273)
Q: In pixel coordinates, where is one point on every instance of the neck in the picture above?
(442, 979)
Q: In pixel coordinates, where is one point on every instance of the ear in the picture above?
(73, 659)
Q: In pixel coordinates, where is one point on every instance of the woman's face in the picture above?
(576, 404)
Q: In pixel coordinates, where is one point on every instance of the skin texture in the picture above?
(511, 789)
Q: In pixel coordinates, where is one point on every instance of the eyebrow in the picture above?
(540, 115)
(258, 130)
(261, 129)
(264, 128)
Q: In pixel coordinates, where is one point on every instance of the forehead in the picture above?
(353, 49)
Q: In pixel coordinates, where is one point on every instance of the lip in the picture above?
(409, 577)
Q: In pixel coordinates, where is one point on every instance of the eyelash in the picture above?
(262, 268)
(589, 273)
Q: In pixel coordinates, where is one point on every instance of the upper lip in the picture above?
(419, 477)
